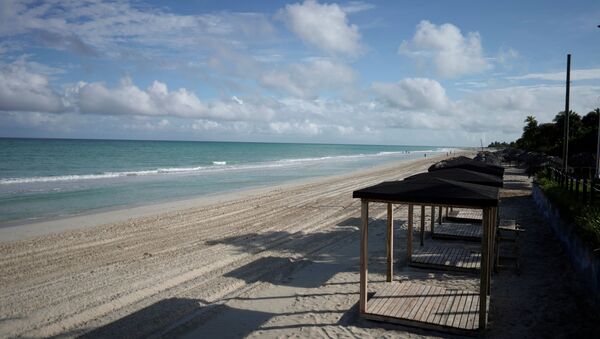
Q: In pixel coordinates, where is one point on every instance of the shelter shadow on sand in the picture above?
(283, 267)
(146, 321)
(298, 242)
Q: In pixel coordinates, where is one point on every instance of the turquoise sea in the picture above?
(49, 178)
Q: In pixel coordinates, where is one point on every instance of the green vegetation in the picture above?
(497, 144)
(548, 138)
(588, 219)
(585, 217)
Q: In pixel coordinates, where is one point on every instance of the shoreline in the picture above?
(19, 230)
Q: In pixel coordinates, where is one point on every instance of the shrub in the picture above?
(586, 218)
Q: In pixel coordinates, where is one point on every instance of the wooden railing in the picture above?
(586, 189)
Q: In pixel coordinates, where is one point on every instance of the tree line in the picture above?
(548, 137)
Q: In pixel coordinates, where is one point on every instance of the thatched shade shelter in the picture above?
(469, 164)
(463, 175)
(469, 313)
(461, 232)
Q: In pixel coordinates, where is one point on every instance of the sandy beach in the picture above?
(280, 262)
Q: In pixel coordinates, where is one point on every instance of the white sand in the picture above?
(281, 262)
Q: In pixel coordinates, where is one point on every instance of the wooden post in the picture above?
(432, 218)
(483, 284)
(491, 237)
(592, 190)
(422, 224)
(562, 179)
(492, 261)
(364, 239)
(491, 241)
(409, 236)
(440, 215)
(390, 243)
(577, 188)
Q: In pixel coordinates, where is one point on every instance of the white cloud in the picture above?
(411, 103)
(356, 7)
(304, 127)
(541, 101)
(37, 119)
(413, 93)
(422, 104)
(324, 26)
(87, 27)
(453, 53)
(504, 109)
(505, 56)
(419, 120)
(308, 79)
(253, 109)
(205, 125)
(24, 90)
(128, 99)
(146, 125)
(157, 100)
(576, 74)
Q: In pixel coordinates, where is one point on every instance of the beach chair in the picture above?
(506, 246)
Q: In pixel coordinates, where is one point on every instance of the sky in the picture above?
(447, 73)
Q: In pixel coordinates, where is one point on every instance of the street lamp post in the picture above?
(566, 121)
(597, 176)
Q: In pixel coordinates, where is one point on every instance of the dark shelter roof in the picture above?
(469, 164)
(464, 175)
(432, 191)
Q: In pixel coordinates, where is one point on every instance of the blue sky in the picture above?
(383, 72)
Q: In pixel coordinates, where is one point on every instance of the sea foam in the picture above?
(217, 166)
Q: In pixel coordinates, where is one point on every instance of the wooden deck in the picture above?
(426, 306)
(447, 258)
(457, 231)
(464, 214)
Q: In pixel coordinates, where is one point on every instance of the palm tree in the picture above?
(530, 123)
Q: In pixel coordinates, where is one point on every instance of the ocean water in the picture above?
(49, 178)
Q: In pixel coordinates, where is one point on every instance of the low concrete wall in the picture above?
(585, 263)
